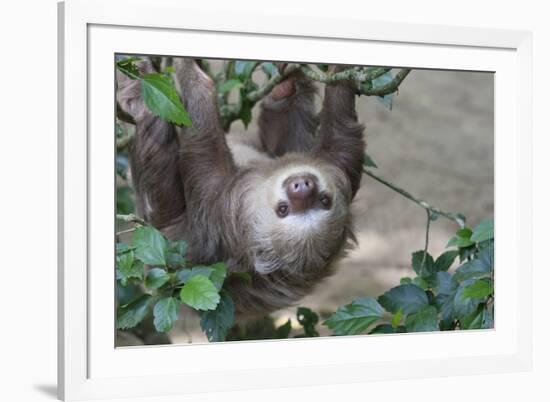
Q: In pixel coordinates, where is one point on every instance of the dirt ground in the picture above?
(437, 143)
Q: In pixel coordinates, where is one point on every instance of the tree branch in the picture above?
(458, 219)
(388, 88)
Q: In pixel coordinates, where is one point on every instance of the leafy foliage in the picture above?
(158, 92)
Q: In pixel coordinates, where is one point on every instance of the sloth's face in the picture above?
(300, 213)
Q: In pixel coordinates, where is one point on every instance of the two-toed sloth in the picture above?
(280, 213)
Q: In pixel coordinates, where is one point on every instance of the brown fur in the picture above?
(192, 189)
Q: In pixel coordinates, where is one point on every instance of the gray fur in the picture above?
(192, 189)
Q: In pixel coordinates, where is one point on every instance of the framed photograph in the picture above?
(247, 202)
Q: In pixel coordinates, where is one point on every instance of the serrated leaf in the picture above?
(216, 323)
(464, 307)
(184, 275)
(368, 161)
(423, 320)
(156, 277)
(427, 269)
(162, 99)
(444, 283)
(445, 260)
(479, 289)
(126, 293)
(218, 274)
(165, 314)
(175, 259)
(471, 269)
(230, 85)
(484, 231)
(409, 298)
(150, 245)
(200, 293)
(130, 315)
(356, 317)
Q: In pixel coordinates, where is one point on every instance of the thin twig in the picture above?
(433, 210)
(427, 239)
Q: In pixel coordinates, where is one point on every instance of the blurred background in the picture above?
(436, 141)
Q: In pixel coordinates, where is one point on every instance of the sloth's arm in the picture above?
(206, 163)
(340, 135)
(287, 119)
(153, 156)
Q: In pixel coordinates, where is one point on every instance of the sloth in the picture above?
(279, 212)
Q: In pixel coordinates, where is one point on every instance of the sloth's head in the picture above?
(300, 211)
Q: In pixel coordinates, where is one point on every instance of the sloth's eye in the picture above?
(325, 201)
(282, 210)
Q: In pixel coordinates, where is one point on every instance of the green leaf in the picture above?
(464, 307)
(128, 267)
(445, 260)
(308, 319)
(484, 231)
(156, 277)
(409, 298)
(130, 315)
(200, 293)
(150, 245)
(396, 319)
(355, 318)
(126, 293)
(216, 323)
(244, 69)
(423, 320)
(246, 110)
(405, 280)
(162, 99)
(124, 201)
(387, 100)
(179, 247)
(218, 274)
(426, 270)
(128, 68)
(461, 239)
(165, 314)
(229, 85)
(283, 331)
(184, 275)
(270, 69)
(444, 283)
(368, 161)
(479, 289)
(175, 259)
(472, 269)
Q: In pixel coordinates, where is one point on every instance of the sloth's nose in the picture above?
(301, 191)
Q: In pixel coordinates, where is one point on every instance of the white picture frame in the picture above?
(89, 365)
